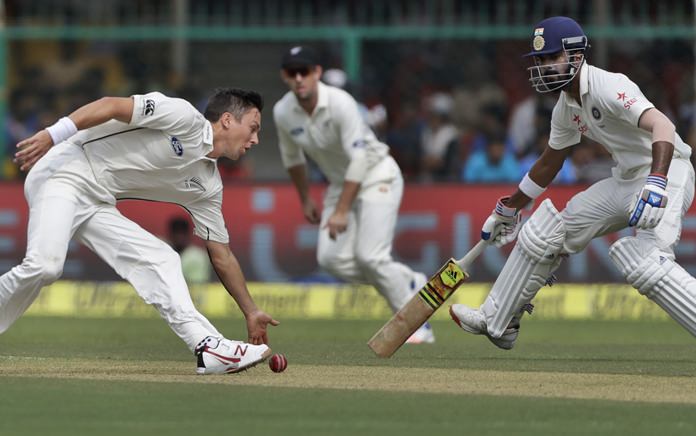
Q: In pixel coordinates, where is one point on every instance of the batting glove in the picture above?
(503, 225)
(651, 203)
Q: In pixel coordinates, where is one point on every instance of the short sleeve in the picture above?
(209, 224)
(171, 115)
(622, 98)
(563, 134)
(290, 153)
(354, 131)
(357, 139)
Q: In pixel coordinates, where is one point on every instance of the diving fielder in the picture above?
(148, 147)
(651, 187)
(365, 183)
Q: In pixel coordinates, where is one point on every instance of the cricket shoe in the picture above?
(223, 356)
(417, 282)
(473, 321)
(424, 335)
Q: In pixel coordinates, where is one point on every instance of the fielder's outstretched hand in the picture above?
(257, 322)
(502, 226)
(650, 204)
(31, 150)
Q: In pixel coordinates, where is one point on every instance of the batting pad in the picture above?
(657, 277)
(531, 262)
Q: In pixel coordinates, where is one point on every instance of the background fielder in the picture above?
(651, 187)
(147, 147)
(356, 227)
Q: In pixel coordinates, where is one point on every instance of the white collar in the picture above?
(584, 79)
(322, 98)
(208, 140)
(584, 86)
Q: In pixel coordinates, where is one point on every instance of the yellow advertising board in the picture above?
(322, 301)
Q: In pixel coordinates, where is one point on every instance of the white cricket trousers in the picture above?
(362, 254)
(65, 201)
(604, 208)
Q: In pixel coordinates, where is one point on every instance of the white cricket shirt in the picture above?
(611, 108)
(160, 156)
(333, 135)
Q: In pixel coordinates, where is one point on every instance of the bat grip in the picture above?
(471, 256)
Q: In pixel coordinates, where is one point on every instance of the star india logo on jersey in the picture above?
(176, 146)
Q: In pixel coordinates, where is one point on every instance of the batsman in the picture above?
(651, 187)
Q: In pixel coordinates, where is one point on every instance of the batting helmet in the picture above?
(556, 35)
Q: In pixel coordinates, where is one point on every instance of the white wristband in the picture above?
(530, 188)
(63, 129)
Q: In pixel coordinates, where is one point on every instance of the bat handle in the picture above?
(471, 256)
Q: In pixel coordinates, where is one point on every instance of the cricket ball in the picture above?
(278, 363)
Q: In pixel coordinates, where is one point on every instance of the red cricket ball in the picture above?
(278, 363)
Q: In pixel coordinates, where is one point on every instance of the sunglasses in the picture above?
(302, 71)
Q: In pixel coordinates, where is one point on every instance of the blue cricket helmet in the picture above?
(556, 34)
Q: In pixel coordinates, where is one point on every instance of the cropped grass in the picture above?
(133, 376)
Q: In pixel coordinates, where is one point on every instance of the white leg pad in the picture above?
(657, 277)
(531, 262)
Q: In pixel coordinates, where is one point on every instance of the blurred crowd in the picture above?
(483, 123)
(448, 115)
(50, 79)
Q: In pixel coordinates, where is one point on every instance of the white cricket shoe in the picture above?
(223, 356)
(417, 282)
(424, 335)
(472, 321)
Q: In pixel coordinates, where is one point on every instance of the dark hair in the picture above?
(178, 224)
(233, 100)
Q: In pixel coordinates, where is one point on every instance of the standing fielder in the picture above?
(365, 184)
(651, 187)
(148, 147)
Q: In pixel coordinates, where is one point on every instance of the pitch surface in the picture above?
(112, 376)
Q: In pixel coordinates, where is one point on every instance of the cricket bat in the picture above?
(424, 303)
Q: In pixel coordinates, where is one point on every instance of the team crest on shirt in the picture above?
(360, 143)
(297, 131)
(176, 146)
(596, 114)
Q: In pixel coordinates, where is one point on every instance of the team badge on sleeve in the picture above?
(176, 146)
(149, 107)
(360, 143)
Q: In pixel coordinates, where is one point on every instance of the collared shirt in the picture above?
(611, 108)
(332, 136)
(160, 156)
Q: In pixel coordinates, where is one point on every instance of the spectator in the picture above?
(567, 174)
(194, 260)
(403, 138)
(375, 117)
(492, 164)
(524, 126)
(491, 122)
(592, 163)
(439, 141)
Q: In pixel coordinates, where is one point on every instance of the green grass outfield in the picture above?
(61, 376)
